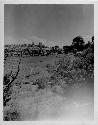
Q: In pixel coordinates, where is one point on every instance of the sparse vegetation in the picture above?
(58, 73)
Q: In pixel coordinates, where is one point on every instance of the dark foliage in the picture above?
(11, 115)
(78, 43)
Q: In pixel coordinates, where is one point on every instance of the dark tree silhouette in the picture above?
(93, 39)
(67, 49)
(78, 43)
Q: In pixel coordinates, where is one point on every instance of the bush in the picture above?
(71, 68)
(11, 115)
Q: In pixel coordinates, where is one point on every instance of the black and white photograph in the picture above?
(48, 62)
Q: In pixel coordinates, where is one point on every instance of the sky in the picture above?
(51, 23)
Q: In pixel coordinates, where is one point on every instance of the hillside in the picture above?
(42, 81)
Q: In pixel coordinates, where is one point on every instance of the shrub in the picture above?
(71, 68)
(11, 115)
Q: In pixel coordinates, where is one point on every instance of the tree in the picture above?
(56, 47)
(67, 49)
(41, 45)
(93, 39)
(78, 43)
(92, 44)
(52, 50)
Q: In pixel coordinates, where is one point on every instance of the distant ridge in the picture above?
(36, 40)
(48, 43)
